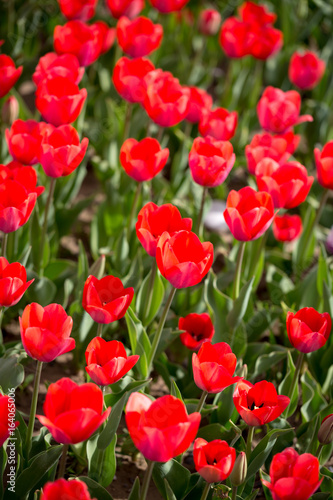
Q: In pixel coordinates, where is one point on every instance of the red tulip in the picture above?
(278, 110)
(143, 160)
(66, 490)
(209, 21)
(45, 331)
(153, 221)
(106, 300)
(166, 6)
(160, 429)
(251, 12)
(198, 328)
(234, 38)
(78, 9)
(214, 366)
(7, 412)
(199, 100)
(59, 100)
(277, 147)
(86, 42)
(288, 184)
(16, 205)
(324, 164)
(182, 259)
(26, 176)
(24, 139)
(9, 74)
(308, 330)
(258, 404)
(107, 361)
(61, 151)
(306, 69)
(249, 213)
(10, 111)
(51, 64)
(13, 283)
(213, 460)
(218, 123)
(287, 227)
(210, 161)
(72, 412)
(129, 78)
(266, 41)
(293, 476)
(166, 101)
(128, 8)
(139, 37)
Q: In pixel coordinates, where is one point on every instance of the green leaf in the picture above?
(175, 391)
(139, 340)
(137, 385)
(217, 304)
(238, 311)
(135, 491)
(11, 373)
(262, 450)
(110, 429)
(42, 291)
(169, 493)
(313, 400)
(95, 489)
(156, 300)
(252, 495)
(177, 476)
(266, 361)
(102, 462)
(285, 386)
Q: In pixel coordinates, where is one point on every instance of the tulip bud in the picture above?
(325, 433)
(209, 21)
(242, 371)
(238, 475)
(10, 111)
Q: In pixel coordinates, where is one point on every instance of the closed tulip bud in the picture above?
(325, 433)
(10, 111)
(238, 474)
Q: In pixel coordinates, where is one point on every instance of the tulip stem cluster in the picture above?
(44, 229)
(146, 479)
(205, 492)
(133, 210)
(295, 379)
(199, 223)
(33, 408)
(202, 401)
(249, 443)
(4, 244)
(150, 290)
(63, 460)
(238, 271)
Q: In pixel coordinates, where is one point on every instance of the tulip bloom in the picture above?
(153, 221)
(9, 74)
(61, 151)
(25, 175)
(324, 164)
(258, 404)
(233, 38)
(198, 328)
(306, 69)
(278, 111)
(78, 9)
(214, 366)
(45, 331)
(210, 161)
(277, 147)
(308, 330)
(288, 184)
(160, 429)
(213, 460)
(107, 361)
(166, 6)
(72, 412)
(106, 300)
(182, 259)
(51, 64)
(128, 8)
(139, 37)
(293, 476)
(143, 160)
(199, 100)
(24, 139)
(67, 490)
(287, 227)
(218, 123)
(209, 22)
(16, 205)
(249, 213)
(13, 282)
(7, 404)
(129, 78)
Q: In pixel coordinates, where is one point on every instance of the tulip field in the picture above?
(166, 250)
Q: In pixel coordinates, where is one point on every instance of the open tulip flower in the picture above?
(153, 221)
(66, 490)
(306, 69)
(324, 164)
(78, 9)
(166, 6)
(214, 367)
(129, 78)
(45, 331)
(13, 282)
(9, 74)
(308, 330)
(213, 460)
(16, 205)
(199, 100)
(160, 429)
(6, 404)
(198, 328)
(143, 160)
(128, 8)
(218, 123)
(52, 64)
(139, 37)
(258, 404)
(73, 412)
(293, 476)
(24, 140)
(182, 259)
(287, 227)
(22, 174)
(107, 362)
(106, 300)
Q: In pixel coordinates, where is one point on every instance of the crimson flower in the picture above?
(128, 8)
(199, 100)
(67, 490)
(198, 328)
(143, 160)
(13, 282)
(308, 330)
(24, 139)
(16, 205)
(306, 69)
(166, 6)
(213, 460)
(218, 123)
(129, 78)
(51, 64)
(25, 175)
(139, 37)
(324, 164)
(78, 9)
(9, 74)
(287, 227)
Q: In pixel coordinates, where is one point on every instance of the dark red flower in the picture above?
(258, 404)
(199, 100)
(166, 6)
(16, 205)
(324, 164)
(143, 160)
(209, 21)
(218, 123)
(251, 12)
(233, 38)
(306, 69)
(25, 175)
(213, 460)
(78, 9)
(51, 64)
(265, 41)
(198, 328)
(7, 408)
(128, 8)
(9, 74)
(24, 140)
(153, 221)
(308, 330)
(13, 283)
(287, 227)
(66, 490)
(129, 78)
(139, 37)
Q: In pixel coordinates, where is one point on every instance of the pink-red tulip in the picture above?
(16, 205)
(209, 22)
(308, 330)
(129, 78)
(25, 175)
(213, 460)
(139, 37)
(51, 64)
(218, 123)
(287, 227)
(78, 9)
(24, 139)
(128, 8)
(9, 74)
(13, 282)
(198, 328)
(324, 164)
(143, 160)
(199, 100)
(66, 490)
(306, 70)
(166, 6)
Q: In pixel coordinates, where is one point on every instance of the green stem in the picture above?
(44, 229)
(33, 409)
(2, 310)
(199, 225)
(205, 492)
(249, 443)
(235, 291)
(256, 254)
(318, 452)
(128, 114)
(150, 290)
(159, 330)
(146, 479)
(202, 401)
(100, 330)
(62, 463)
(234, 493)
(133, 210)
(296, 376)
(4, 244)
(160, 134)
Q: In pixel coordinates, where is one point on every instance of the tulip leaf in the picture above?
(285, 386)
(267, 361)
(42, 291)
(327, 484)
(266, 477)
(102, 462)
(169, 493)
(135, 491)
(11, 373)
(175, 391)
(156, 298)
(252, 495)
(240, 305)
(175, 474)
(323, 272)
(136, 385)
(313, 400)
(95, 489)
(110, 429)
(139, 340)
(217, 304)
